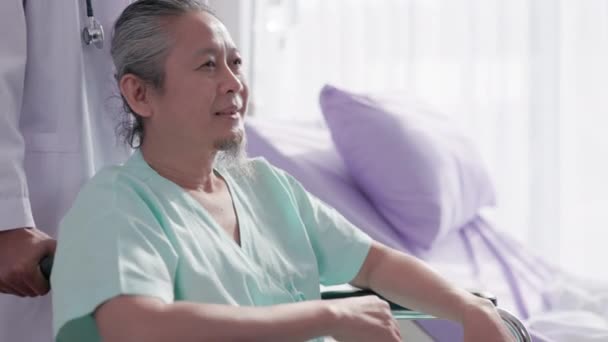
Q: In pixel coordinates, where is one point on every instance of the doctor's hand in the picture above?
(20, 252)
(366, 318)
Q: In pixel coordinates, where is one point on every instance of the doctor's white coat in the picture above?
(58, 113)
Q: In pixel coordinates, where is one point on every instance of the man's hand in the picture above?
(20, 252)
(483, 324)
(367, 318)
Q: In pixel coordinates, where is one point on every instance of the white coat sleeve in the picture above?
(15, 209)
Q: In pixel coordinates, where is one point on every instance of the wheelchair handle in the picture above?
(46, 266)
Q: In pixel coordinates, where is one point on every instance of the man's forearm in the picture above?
(186, 321)
(407, 281)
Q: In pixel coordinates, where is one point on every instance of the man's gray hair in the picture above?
(140, 45)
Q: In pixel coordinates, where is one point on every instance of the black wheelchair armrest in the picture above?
(337, 294)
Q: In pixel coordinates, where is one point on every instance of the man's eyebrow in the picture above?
(214, 51)
(206, 51)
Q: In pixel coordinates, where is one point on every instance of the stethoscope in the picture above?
(93, 32)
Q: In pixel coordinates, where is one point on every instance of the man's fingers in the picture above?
(398, 331)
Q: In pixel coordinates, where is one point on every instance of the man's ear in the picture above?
(137, 94)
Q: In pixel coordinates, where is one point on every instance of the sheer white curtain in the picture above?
(528, 78)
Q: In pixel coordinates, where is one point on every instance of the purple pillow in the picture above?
(422, 174)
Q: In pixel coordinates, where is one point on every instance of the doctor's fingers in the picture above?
(26, 288)
(26, 279)
(50, 245)
(30, 282)
(10, 289)
(37, 283)
(17, 280)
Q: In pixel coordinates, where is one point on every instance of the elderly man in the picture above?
(190, 241)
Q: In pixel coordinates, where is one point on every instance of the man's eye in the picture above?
(210, 64)
(238, 62)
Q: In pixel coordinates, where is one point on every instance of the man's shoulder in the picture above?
(112, 192)
(112, 176)
(111, 186)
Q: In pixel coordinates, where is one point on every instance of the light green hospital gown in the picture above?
(131, 231)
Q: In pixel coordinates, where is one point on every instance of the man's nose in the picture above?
(231, 82)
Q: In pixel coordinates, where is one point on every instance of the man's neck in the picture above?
(181, 165)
